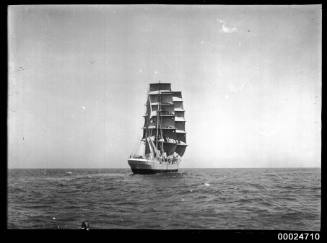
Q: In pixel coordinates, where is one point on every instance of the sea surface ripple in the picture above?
(266, 199)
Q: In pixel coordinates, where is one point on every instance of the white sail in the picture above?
(153, 147)
(150, 146)
(140, 152)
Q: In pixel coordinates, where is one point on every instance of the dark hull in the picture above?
(150, 171)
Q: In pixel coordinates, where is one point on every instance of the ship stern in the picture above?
(144, 166)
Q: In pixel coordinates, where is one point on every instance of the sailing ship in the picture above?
(164, 138)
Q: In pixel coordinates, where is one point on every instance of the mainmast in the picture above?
(158, 117)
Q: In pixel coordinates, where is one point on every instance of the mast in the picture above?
(148, 110)
(146, 131)
(160, 121)
(158, 117)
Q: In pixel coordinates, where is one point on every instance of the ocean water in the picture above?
(250, 199)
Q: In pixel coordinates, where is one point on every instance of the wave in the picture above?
(116, 198)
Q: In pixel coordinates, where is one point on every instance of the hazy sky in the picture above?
(250, 78)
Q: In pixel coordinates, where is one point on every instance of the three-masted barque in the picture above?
(164, 138)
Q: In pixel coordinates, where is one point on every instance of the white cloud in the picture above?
(226, 28)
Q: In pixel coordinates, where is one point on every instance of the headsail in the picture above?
(140, 151)
(153, 148)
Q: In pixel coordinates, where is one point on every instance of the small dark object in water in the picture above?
(58, 226)
(85, 225)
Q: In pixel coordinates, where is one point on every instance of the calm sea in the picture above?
(281, 199)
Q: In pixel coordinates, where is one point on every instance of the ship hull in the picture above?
(145, 166)
(152, 171)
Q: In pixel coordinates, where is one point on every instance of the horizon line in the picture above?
(314, 167)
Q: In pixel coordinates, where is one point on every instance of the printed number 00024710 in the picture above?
(298, 236)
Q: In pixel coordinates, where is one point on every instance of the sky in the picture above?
(250, 77)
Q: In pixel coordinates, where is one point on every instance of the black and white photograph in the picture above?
(165, 117)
